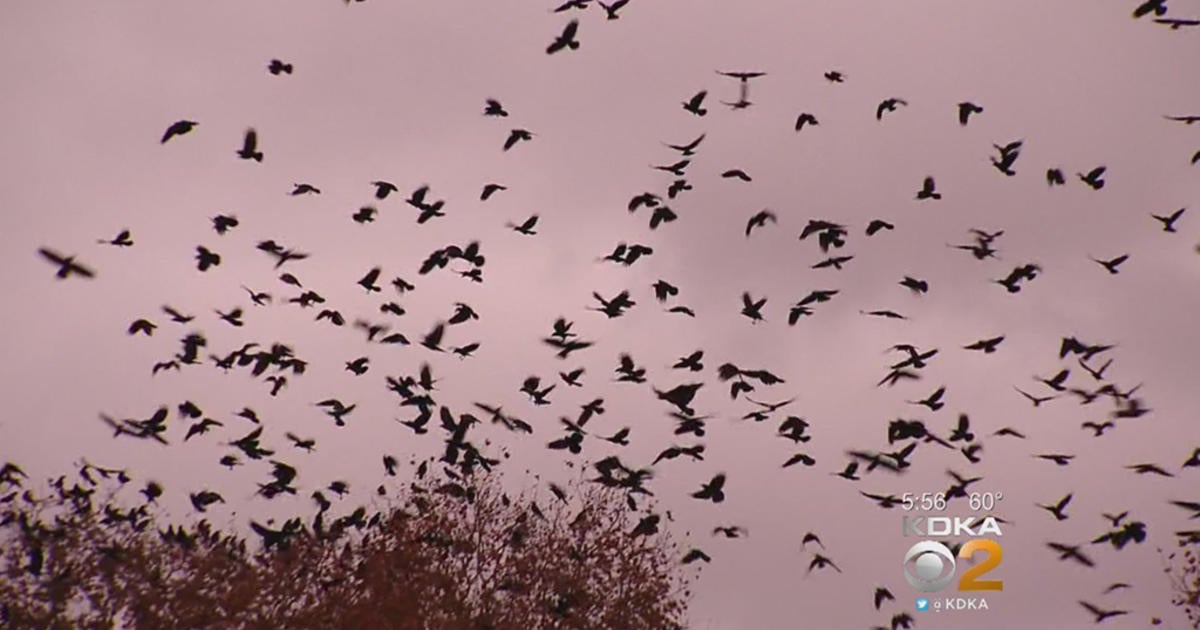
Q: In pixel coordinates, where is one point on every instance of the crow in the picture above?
(566, 40)
(178, 128)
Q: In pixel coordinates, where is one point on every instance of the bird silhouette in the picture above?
(888, 105)
(1008, 156)
(277, 67)
(611, 9)
(492, 107)
(66, 265)
(649, 200)
(1176, 24)
(1187, 120)
(1055, 177)
(835, 262)
(1112, 265)
(1098, 429)
(752, 308)
(1036, 400)
(675, 169)
(1093, 178)
(515, 136)
(526, 227)
(661, 215)
(730, 531)
(565, 40)
(695, 105)
(927, 190)
(1169, 220)
(916, 286)
(876, 225)
(178, 128)
(571, 4)
(304, 189)
(689, 149)
(249, 150)
(1157, 7)
(206, 258)
(1057, 509)
(850, 472)
(1101, 614)
(965, 110)
(760, 219)
(882, 595)
(1058, 458)
(1149, 469)
(713, 490)
(987, 346)
(820, 561)
(223, 223)
(1071, 552)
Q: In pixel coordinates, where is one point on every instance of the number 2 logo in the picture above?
(970, 578)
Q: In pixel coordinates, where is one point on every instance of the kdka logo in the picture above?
(930, 566)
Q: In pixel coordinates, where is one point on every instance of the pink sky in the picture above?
(395, 91)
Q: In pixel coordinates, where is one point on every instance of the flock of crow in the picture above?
(1080, 376)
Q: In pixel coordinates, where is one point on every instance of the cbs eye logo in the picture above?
(929, 566)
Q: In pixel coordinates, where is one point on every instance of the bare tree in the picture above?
(1183, 567)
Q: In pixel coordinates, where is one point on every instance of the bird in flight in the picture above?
(987, 346)
(1157, 7)
(515, 136)
(1071, 552)
(695, 104)
(492, 107)
(1055, 177)
(491, 189)
(612, 9)
(888, 105)
(1187, 120)
(304, 189)
(927, 190)
(1058, 509)
(1177, 23)
(277, 67)
(759, 220)
(742, 76)
(1112, 265)
(1008, 155)
(566, 40)
(249, 150)
(1169, 220)
(66, 265)
(1093, 178)
(1100, 613)
(178, 128)
(965, 110)
(123, 239)
(526, 227)
(689, 149)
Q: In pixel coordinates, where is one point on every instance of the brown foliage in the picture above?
(471, 558)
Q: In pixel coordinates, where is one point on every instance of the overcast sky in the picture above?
(395, 91)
